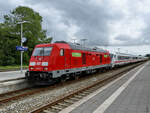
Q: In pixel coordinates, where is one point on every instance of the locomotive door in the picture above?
(67, 58)
(83, 58)
(101, 59)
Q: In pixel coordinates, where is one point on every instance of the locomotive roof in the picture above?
(75, 46)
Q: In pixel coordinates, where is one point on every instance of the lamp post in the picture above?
(21, 23)
(118, 50)
(83, 41)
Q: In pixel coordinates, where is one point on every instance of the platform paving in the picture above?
(11, 75)
(134, 96)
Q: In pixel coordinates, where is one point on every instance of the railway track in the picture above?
(62, 101)
(66, 100)
(22, 93)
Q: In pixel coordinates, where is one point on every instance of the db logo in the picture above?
(38, 63)
(40, 59)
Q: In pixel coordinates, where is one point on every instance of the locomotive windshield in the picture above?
(42, 51)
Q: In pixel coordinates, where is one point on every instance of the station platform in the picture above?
(11, 75)
(127, 94)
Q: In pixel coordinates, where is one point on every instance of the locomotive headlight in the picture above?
(45, 68)
(31, 68)
(32, 63)
(44, 63)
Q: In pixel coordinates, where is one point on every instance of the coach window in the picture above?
(61, 52)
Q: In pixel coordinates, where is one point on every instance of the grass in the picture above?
(13, 67)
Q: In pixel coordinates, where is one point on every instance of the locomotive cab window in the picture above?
(42, 51)
(47, 51)
(61, 52)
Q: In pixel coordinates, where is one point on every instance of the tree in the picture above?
(10, 34)
(47, 40)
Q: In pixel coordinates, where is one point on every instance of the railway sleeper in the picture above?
(51, 110)
(69, 101)
(82, 94)
(90, 90)
(73, 98)
(57, 107)
(63, 104)
(78, 96)
(60, 105)
(86, 92)
(46, 111)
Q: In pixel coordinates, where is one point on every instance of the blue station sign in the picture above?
(21, 48)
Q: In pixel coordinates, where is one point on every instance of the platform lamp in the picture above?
(74, 40)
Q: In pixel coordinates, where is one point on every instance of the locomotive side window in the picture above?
(38, 52)
(42, 51)
(61, 52)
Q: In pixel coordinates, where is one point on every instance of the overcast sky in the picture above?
(112, 24)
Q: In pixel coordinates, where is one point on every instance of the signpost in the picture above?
(23, 39)
(21, 48)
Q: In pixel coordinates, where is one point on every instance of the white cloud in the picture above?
(131, 24)
(102, 22)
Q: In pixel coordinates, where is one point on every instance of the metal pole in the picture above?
(118, 50)
(21, 41)
(21, 46)
(83, 40)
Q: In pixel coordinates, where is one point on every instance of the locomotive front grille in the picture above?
(37, 76)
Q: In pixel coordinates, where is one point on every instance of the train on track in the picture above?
(63, 60)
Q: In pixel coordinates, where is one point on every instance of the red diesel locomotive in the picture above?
(62, 60)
